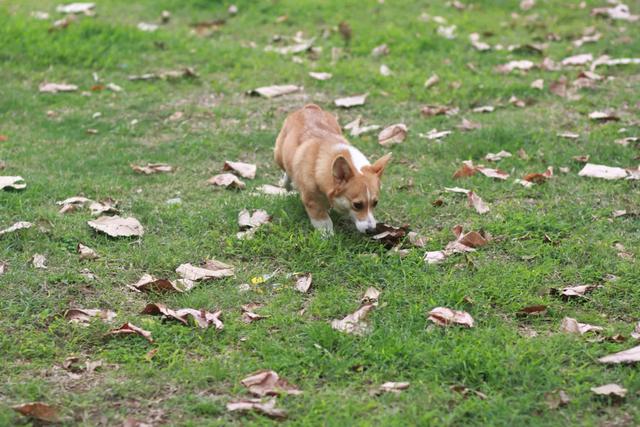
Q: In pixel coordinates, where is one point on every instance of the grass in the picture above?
(557, 234)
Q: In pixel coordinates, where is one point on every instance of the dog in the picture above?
(327, 170)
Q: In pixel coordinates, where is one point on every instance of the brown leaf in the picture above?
(56, 87)
(355, 322)
(249, 223)
(435, 134)
(272, 190)
(417, 240)
(212, 269)
(21, 225)
(203, 318)
(303, 282)
(152, 168)
(38, 411)
(394, 134)
(389, 235)
(517, 102)
(320, 76)
(477, 203)
(206, 28)
(610, 390)
(39, 261)
(559, 87)
(186, 72)
(604, 172)
(443, 316)
(431, 81)
(245, 170)
(466, 392)
(636, 332)
(580, 59)
(581, 159)
(539, 178)
(392, 387)
(351, 101)
(627, 356)
(227, 180)
(275, 91)
(435, 257)
(484, 109)
(466, 170)
(86, 252)
(568, 135)
(498, 156)
(557, 399)
(84, 315)
(381, 50)
(468, 125)
(438, 110)
(116, 226)
(474, 38)
(3, 267)
(129, 329)
(618, 12)
(571, 326)
(12, 183)
(532, 310)
(75, 8)
(371, 296)
(268, 383)
(267, 408)
(537, 84)
(148, 283)
(603, 116)
(578, 291)
(522, 65)
(107, 206)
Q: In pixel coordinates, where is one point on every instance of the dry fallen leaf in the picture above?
(572, 326)
(568, 135)
(129, 329)
(498, 156)
(116, 226)
(465, 391)
(355, 129)
(303, 282)
(21, 225)
(248, 316)
(393, 134)
(483, 109)
(39, 261)
(351, 101)
(84, 315)
(468, 125)
(3, 267)
(477, 203)
(38, 411)
(86, 252)
(416, 239)
(605, 172)
(522, 65)
(249, 223)
(610, 390)
(391, 387)
(268, 383)
(532, 310)
(152, 168)
(148, 283)
(603, 116)
(381, 50)
(56, 87)
(474, 38)
(272, 190)
(557, 399)
(537, 84)
(211, 269)
(202, 318)
(627, 356)
(227, 180)
(580, 59)
(431, 81)
(274, 91)
(443, 316)
(245, 170)
(435, 134)
(385, 70)
(438, 110)
(267, 408)
(636, 332)
(74, 8)
(106, 206)
(12, 183)
(388, 235)
(619, 12)
(355, 322)
(186, 72)
(577, 291)
(539, 178)
(320, 76)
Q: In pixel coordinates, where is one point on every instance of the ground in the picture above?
(556, 234)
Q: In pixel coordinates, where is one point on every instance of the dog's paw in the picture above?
(324, 226)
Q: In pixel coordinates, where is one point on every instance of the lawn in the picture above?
(559, 233)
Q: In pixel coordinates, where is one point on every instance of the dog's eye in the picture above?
(358, 205)
(374, 203)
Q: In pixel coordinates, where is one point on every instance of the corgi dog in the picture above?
(328, 171)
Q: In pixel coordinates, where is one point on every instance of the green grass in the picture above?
(195, 373)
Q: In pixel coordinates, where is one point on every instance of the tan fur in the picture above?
(315, 156)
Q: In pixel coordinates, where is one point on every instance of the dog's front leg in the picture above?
(318, 214)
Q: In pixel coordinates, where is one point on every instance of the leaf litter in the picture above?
(202, 318)
(268, 383)
(116, 226)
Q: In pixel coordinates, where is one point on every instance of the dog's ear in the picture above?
(380, 164)
(342, 171)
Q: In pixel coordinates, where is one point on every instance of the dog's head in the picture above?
(356, 191)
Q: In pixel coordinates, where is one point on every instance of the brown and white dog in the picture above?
(327, 170)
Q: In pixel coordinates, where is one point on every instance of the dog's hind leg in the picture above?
(286, 182)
